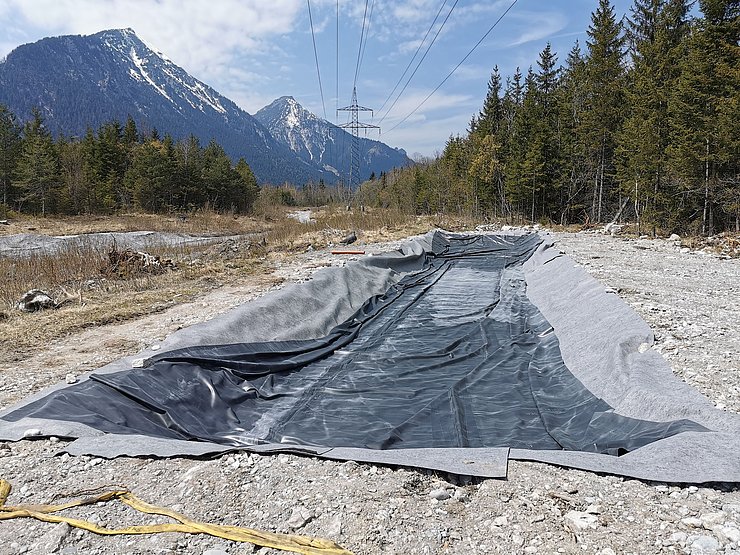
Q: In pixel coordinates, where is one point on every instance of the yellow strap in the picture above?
(286, 542)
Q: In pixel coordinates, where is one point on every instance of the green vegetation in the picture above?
(643, 124)
(115, 169)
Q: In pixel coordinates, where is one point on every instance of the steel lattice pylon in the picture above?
(354, 109)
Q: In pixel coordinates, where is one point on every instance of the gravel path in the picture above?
(690, 300)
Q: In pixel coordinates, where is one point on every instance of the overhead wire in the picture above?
(316, 56)
(405, 71)
(359, 49)
(337, 92)
(455, 68)
(367, 34)
(421, 60)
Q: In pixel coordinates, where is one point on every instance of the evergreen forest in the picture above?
(641, 123)
(115, 169)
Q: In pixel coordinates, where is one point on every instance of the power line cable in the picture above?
(359, 49)
(337, 95)
(421, 60)
(405, 71)
(316, 56)
(367, 33)
(455, 68)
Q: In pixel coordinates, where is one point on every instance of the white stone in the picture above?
(300, 517)
(32, 432)
(578, 521)
(70, 378)
(334, 528)
(692, 522)
(708, 520)
(440, 494)
(500, 521)
(727, 534)
(704, 544)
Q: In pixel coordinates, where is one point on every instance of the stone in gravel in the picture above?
(709, 520)
(500, 521)
(704, 544)
(461, 495)
(299, 518)
(439, 494)
(594, 509)
(70, 378)
(692, 521)
(215, 552)
(674, 237)
(52, 540)
(578, 521)
(334, 527)
(679, 537)
(727, 534)
(32, 432)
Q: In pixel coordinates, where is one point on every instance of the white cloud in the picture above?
(538, 26)
(202, 37)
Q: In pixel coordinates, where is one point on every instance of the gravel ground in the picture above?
(691, 301)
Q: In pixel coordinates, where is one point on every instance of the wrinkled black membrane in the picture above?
(452, 356)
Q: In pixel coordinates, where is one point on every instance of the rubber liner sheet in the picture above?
(449, 367)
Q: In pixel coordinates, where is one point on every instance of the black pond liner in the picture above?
(454, 355)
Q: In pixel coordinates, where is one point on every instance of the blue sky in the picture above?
(254, 51)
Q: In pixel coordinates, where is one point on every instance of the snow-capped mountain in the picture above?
(320, 142)
(84, 81)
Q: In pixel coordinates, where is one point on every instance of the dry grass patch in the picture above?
(200, 222)
(91, 299)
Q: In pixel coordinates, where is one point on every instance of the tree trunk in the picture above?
(704, 226)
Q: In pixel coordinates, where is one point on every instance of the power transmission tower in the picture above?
(355, 125)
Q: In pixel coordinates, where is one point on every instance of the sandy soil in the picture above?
(691, 301)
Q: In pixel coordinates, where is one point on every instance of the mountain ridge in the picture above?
(84, 81)
(319, 141)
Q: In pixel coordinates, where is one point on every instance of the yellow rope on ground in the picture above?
(286, 542)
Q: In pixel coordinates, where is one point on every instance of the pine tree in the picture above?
(151, 175)
(251, 188)
(490, 117)
(604, 106)
(10, 150)
(657, 29)
(703, 111)
(547, 130)
(575, 168)
(38, 171)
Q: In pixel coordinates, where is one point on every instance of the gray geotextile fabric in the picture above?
(600, 339)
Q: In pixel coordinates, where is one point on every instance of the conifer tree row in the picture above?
(115, 168)
(642, 122)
